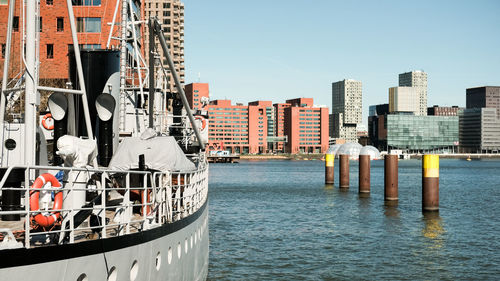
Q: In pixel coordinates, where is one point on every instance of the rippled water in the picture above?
(276, 220)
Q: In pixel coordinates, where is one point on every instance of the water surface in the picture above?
(277, 220)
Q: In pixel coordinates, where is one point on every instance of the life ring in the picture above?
(46, 220)
(50, 125)
(203, 121)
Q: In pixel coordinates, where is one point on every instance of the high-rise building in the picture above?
(170, 14)
(481, 97)
(346, 109)
(404, 99)
(480, 121)
(418, 80)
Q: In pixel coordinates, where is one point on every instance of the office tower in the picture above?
(480, 121)
(483, 97)
(346, 109)
(404, 100)
(418, 80)
(170, 14)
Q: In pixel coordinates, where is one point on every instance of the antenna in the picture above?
(199, 77)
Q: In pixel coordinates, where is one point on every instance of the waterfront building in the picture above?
(237, 128)
(422, 133)
(404, 99)
(479, 130)
(377, 130)
(170, 14)
(443, 110)
(196, 94)
(481, 97)
(480, 121)
(270, 136)
(279, 110)
(346, 109)
(418, 80)
(306, 127)
(92, 24)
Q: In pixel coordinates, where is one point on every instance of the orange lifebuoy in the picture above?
(50, 218)
(203, 121)
(50, 125)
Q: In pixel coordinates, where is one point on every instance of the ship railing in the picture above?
(123, 202)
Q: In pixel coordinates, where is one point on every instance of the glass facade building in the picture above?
(414, 133)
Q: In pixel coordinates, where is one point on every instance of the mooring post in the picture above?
(329, 167)
(364, 174)
(344, 171)
(430, 183)
(391, 177)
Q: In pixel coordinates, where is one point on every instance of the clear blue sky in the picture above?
(280, 49)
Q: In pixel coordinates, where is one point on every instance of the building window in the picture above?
(50, 51)
(49, 2)
(88, 25)
(60, 24)
(3, 51)
(86, 2)
(41, 21)
(15, 24)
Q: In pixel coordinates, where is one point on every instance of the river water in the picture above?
(276, 220)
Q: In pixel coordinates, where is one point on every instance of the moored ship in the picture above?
(103, 204)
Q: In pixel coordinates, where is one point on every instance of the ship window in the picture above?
(82, 277)
(134, 270)
(112, 274)
(158, 261)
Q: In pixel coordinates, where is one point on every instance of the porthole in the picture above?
(82, 277)
(134, 271)
(158, 261)
(179, 250)
(112, 274)
(169, 255)
(10, 144)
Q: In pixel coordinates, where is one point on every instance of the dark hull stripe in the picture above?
(23, 256)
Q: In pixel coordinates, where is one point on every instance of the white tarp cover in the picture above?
(160, 153)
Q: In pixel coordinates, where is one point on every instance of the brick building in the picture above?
(195, 92)
(306, 127)
(237, 128)
(279, 111)
(443, 110)
(92, 18)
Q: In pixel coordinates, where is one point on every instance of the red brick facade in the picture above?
(194, 93)
(52, 13)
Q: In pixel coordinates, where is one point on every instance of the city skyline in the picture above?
(273, 50)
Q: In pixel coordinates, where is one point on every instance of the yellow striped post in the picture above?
(329, 169)
(430, 183)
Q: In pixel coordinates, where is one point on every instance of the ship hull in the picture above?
(176, 251)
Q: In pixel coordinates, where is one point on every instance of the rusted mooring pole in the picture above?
(364, 174)
(391, 177)
(430, 183)
(329, 167)
(344, 171)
